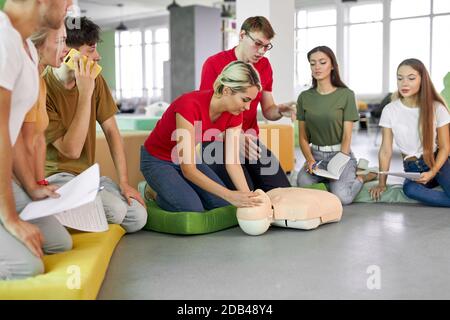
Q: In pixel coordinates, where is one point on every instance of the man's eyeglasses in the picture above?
(260, 45)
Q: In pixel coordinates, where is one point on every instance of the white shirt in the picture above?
(404, 122)
(18, 74)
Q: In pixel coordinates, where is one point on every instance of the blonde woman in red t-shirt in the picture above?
(169, 163)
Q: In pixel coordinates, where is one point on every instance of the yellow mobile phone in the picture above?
(69, 61)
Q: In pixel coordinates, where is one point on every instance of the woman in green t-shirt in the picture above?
(326, 113)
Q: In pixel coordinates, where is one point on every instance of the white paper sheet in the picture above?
(89, 217)
(77, 192)
(407, 175)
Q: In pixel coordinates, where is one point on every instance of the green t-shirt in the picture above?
(324, 115)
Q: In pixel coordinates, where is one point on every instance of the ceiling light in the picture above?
(121, 26)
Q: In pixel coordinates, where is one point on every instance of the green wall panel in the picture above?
(106, 48)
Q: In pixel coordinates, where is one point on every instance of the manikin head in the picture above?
(256, 220)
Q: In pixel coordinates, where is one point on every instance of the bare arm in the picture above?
(385, 153)
(29, 134)
(40, 148)
(21, 169)
(384, 159)
(272, 111)
(443, 136)
(7, 206)
(347, 137)
(442, 156)
(186, 150)
(23, 231)
(304, 145)
(232, 161)
(72, 143)
(116, 147)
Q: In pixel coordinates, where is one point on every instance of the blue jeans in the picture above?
(425, 193)
(174, 191)
(346, 188)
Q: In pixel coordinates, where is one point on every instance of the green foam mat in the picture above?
(317, 186)
(187, 223)
(393, 194)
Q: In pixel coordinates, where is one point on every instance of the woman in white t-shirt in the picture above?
(418, 120)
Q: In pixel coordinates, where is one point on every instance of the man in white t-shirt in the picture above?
(22, 244)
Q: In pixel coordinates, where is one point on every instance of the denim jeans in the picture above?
(174, 191)
(425, 193)
(346, 188)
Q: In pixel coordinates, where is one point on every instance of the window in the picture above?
(440, 50)
(313, 28)
(369, 56)
(415, 43)
(156, 52)
(130, 64)
(418, 33)
(134, 50)
(441, 6)
(230, 34)
(363, 39)
(409, 8)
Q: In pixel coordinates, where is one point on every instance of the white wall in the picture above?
(281, 16)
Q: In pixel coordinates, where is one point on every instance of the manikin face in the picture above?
(90, 51)
(240, 101)
(320, 65)
(52, 12)
(54, 49)
(254, 45)
(408, 81)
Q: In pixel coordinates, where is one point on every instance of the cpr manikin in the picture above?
(297, 208)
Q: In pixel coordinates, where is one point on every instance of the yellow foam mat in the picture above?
(76, 275)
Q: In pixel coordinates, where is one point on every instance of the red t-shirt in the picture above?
(194, 107)
(214, 65)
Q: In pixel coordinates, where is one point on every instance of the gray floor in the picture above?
(406, 245)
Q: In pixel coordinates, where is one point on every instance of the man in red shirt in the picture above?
(261, 167)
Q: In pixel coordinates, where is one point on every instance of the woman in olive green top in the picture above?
(326, 113)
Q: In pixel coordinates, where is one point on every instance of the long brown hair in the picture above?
(426, 97)
(335, 77)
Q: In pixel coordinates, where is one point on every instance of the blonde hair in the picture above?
(238, 76)
(38, 38)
